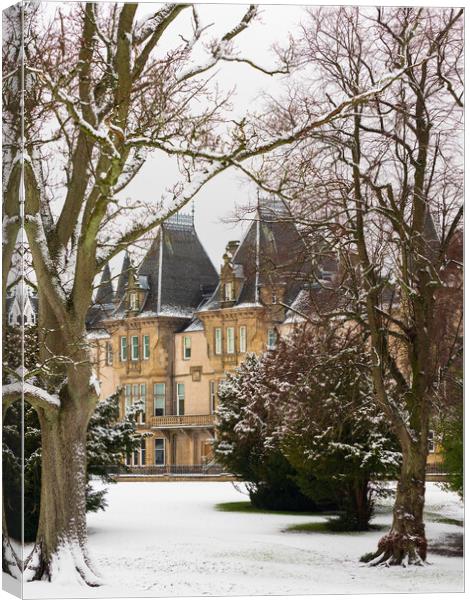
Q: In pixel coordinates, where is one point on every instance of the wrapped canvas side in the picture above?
(13, 301)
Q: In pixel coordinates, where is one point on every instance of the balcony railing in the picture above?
(437, 468)
(209, 469)
(178, 421)
(179, 470)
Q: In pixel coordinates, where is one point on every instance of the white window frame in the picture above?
(218, 340)
(133, 301)
(186, 347)
(145, 347)
(431, 442)
(127, 397)
(143, 452)
(109, 353)
(134, 355)
(272, 335)
(123, 349)
(230, 342)
(212, 396)
(163, 450)
(143, 399)
(242, 338)
(180, 397)
(158, 396)
(228, 291)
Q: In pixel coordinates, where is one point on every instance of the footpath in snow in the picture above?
(167, 539)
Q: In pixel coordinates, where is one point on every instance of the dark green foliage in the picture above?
(451, 447)
(300, 424)
(12, 435)
(278, 490)
(333, 434)
(109, 439)
(243, 447)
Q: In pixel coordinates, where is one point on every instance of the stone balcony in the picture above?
(181, 421)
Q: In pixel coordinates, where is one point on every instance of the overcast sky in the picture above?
(216, 204)
(218, 200)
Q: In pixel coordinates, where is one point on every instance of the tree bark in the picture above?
(11, 562)
(61, 542)
(62, 535)
(362, 504)
(405, 543)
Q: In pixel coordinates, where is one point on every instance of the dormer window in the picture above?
(133, 301)
(229, 291)
(186, 347)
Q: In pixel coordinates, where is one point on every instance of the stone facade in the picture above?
(174, 327)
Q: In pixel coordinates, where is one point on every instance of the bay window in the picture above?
(218, 340)
(230, 340)
(123, 346)
(135, 347)
(158, 399)
(146, 347)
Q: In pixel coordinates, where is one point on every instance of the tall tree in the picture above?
(382, 188)
(102, 88)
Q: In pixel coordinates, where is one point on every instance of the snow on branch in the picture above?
(36, 396)
(145, 28)
(221, 50)
(217, 163)
(176, 201)
(242, 153)
(337, 112)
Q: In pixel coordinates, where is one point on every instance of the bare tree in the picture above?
(382, 188)
(102, 91)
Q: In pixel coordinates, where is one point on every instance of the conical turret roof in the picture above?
(123, 276)
(105, 292)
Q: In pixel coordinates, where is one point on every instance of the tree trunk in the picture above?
(362, 504)
(405, 543)
(60, 548)
(11, 562)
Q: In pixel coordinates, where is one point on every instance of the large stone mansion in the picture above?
(173, 327)
(167, 332)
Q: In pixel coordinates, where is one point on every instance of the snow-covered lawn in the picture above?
(167, 539)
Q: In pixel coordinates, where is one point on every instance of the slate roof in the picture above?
(272, 251)
(123, 276)
(103, 305)
(178, 270)
(176, 275)
(105, 292)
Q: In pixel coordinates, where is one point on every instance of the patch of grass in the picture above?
(446, 520)
(326, 527)
(247, 507)
(320, 527)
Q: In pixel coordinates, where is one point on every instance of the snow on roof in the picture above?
(98, 334)
(195, 325)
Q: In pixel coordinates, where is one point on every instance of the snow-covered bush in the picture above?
(331, 430)
(245, 445)
(303, 417)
